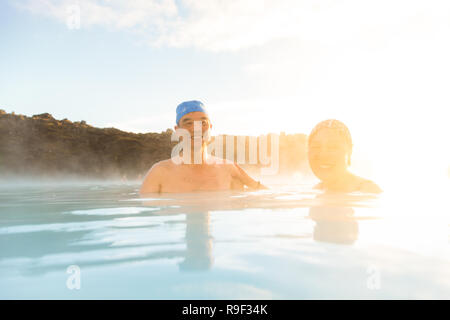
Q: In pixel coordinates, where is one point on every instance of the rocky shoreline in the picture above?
(44, 147)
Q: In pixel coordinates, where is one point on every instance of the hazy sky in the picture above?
(382, 66)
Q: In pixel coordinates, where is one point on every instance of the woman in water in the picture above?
(329, 152)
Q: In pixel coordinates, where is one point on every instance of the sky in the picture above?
(381, 67)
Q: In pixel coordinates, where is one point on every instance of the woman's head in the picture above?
(329, 149)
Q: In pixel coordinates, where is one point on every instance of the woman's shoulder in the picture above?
(366, 185)
(319, 186)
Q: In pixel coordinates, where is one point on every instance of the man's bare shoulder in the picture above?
(212, 160)
(159, 168)
(155, 177)
(164, 164)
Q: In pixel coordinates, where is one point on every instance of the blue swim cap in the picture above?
(188, 107)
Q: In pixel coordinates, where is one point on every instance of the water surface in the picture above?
(290, 242)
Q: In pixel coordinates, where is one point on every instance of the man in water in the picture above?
(329, 152)
(208, 174)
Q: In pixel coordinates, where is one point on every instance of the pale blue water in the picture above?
(286, 243)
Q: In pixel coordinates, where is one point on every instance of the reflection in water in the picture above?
(133, 247)
(198, 243)
(334, 224)
(198, 255)
(152, 228)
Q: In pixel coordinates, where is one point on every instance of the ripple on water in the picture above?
(111, 211)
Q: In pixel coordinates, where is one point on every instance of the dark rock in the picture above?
(43, 146)
(43, 116)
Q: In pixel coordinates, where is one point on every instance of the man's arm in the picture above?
(153, 179)
(246, 179)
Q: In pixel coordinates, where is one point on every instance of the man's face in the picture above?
(328, 155)
(187, 123)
